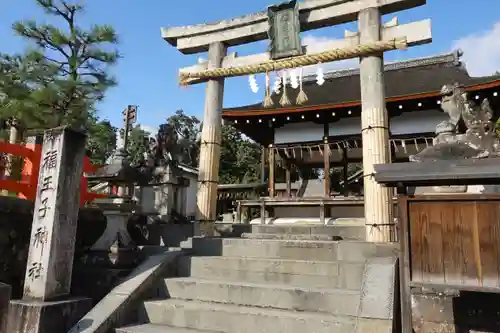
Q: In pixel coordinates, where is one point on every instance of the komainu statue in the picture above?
(468, 133)
(453, 101)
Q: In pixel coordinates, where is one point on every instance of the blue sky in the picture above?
(147, 74)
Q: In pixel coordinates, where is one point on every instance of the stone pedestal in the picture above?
(116, 229)
(46, 317)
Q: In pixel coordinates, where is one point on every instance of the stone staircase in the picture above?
(300, 279)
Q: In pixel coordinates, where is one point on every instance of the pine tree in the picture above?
(77, 59)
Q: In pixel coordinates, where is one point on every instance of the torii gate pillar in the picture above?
(208, 175)
(379, 218)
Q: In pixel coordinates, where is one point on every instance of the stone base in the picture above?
(94, 281)
(46, 317)
(466, 312)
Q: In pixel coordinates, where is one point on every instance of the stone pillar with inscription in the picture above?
(46, 305)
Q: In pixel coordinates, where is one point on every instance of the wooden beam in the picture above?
(416, 33)
(254, 27)
(440, 173)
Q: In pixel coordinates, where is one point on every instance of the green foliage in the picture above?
(59, 80)
(138, 144)
(19, 75)
(75, 62)
(240, 158)
(101, 141)
(65, 73)
(188, 130)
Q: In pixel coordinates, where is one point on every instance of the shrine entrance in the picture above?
(282, 25)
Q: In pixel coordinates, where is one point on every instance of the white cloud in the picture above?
(481, 51)
(150, 129)
(316, 45)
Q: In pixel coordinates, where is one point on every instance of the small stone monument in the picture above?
(115, 247)
(47, 305)
(468, 134)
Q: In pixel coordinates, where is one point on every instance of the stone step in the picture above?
(292, 249)
(241, 319)
(334, 301)
(343, 231)
(290, 237)
(318, 274)
(150, 328)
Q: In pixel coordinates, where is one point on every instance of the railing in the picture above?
(26, 187)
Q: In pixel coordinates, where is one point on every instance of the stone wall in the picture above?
(15, 230)
(463, 312)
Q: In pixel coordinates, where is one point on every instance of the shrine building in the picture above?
(297, 136)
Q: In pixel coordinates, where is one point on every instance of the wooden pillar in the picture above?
(263, 165)
(288, 180)
(262, 212)
(326, 159)
(345, 173)
(375, 134)
(271, 171)
(210, 146)
(239, 213)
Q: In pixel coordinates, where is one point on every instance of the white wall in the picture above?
(407, 123)
(299, 132)
(345, 126)
(417, 122)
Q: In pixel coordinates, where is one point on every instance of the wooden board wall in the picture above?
(455, 242)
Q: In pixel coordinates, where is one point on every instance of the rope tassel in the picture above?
(268, 101)
(301, 97)
(284, 101)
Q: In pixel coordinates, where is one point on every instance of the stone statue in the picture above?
(468, 133)
(453, 101)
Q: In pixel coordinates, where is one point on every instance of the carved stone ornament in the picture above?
(468, 133)
(477, 140)
(284, 30)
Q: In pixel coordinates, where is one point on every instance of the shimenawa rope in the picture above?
(298, 61)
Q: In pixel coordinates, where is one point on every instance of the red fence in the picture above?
(26, 187)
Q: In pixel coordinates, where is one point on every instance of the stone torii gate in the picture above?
(369, 44)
